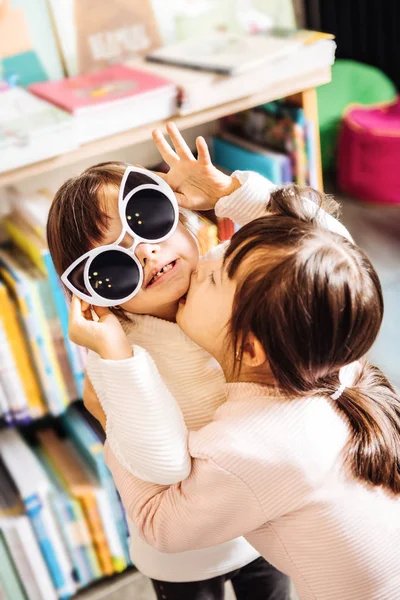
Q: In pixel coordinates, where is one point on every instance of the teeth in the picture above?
(162, 271)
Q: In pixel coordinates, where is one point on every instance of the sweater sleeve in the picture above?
(250, 202)
(144, 424)
(210, 507)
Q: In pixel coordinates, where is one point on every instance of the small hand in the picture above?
(197, 183)
(104, 336)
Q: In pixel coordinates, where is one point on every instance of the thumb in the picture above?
(101, 311)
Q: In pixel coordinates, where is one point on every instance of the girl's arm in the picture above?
(242, 197)
(143, 424)
(210, 507)
(250, 201)
(142, 420)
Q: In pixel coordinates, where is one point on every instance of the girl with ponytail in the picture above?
(303, 458)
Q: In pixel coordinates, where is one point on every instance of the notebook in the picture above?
(225, 53)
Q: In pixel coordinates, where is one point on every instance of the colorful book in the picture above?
(65, 460)
(34, 246)
(22, 542)
(279, 126)
(20, 354)
(228, 154)
(28, 48)
(83, 432)
(280, 162)
(111, 100)
(35, 489)
(17, 409)
(115, 32)
(79, 530)
(66, 515)
(25, 284)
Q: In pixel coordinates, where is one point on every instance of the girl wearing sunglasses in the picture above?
(303, 458)
(117, 239)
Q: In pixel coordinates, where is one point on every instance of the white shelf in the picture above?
(131, 137)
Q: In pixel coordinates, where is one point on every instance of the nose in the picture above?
(145, 252)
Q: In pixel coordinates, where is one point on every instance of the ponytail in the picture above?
(314, 301)
(372, 408)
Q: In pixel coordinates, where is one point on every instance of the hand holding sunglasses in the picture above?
(111, 274)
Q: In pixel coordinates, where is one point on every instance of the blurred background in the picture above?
(302, 91)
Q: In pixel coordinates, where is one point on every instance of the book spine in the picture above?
(34, 510)
(22, 358)
(34, 557)
(65, 519)
(82, 533)
(93, 518)
(110, 530)
(62, 310)
(12, 385)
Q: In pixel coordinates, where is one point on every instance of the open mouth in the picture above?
(160, 275)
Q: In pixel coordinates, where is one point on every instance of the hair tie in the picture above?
(336, 395)
(347, 376)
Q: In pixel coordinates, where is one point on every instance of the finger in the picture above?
(101, 311)
(84, 306)
(180, 145)
(164, 148)
(203, 152)
(75, 313)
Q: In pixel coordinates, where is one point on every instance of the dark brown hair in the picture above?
(77, 220)
(314, 301)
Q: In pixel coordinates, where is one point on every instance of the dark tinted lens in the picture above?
(113, 275)
(76, 277)
(150, 214)
(134, 180)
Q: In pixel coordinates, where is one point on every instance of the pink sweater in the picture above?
(274, 471)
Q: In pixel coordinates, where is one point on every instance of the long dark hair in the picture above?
(314, 301)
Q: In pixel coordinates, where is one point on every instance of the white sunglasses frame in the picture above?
(95, 299)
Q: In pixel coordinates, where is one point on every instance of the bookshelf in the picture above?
(301, 89)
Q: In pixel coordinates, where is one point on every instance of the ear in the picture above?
(253, 352)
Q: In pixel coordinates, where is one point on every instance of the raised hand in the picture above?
(198, 185)
(103, 335)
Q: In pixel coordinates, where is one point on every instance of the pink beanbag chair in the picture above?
(369, 153)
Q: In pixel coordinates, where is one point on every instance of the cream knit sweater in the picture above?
(275, 471)
(171, 385)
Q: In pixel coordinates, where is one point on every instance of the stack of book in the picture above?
(274, 140)
(41, 370)
(220, 76)
(62, 525)
(32, 129)
(112, 100)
